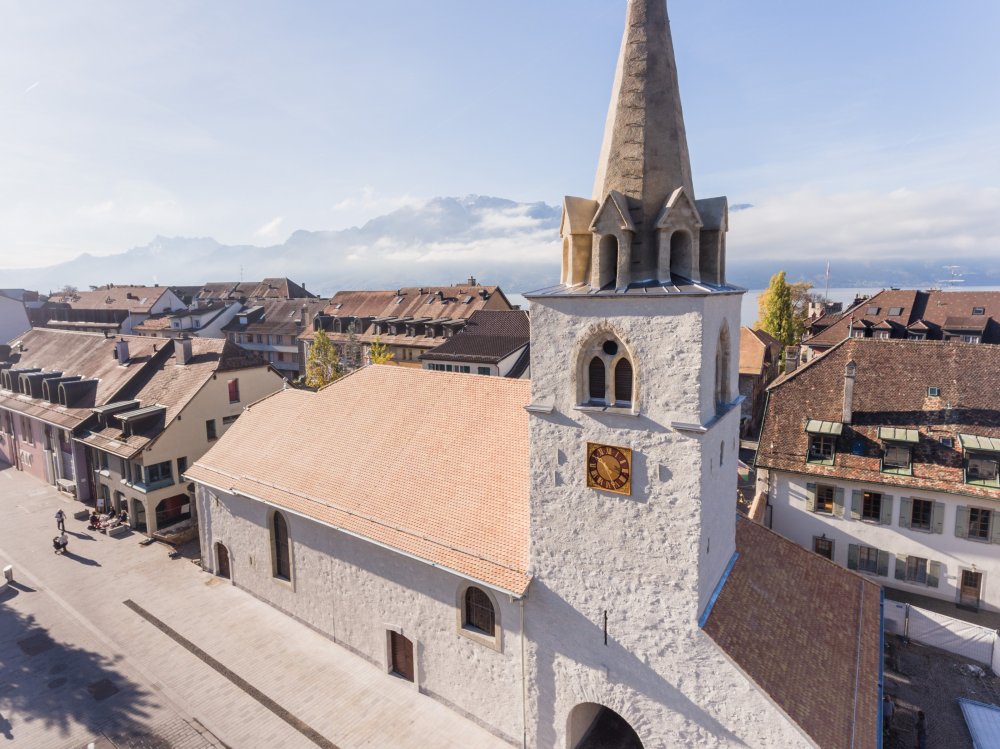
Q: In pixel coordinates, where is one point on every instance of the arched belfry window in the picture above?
(281, 547)
(722, 397)
(607, 372)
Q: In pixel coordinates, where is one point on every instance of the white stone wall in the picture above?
(13, 319)
(355, 592)
(644, 559)
(790, 518)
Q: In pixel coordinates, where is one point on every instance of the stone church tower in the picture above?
(634, 436)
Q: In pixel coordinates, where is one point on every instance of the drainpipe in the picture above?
(524, 687)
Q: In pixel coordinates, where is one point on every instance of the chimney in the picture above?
(791, 358)
(472, 280)
(182, 350)
(302, 317)
(121, 351)
(849, 373)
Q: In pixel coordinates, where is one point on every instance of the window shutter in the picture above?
(905, 511)
(933, 574)
(938, 522)
(852, 556)
(838, 502)
(962, 522)
(900, 566)
(883, 563)
(885, 510)
(857, 496)
(994, 528)
(811, 497)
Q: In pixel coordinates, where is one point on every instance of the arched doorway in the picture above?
(594, 726)
(222, 561)
(139, 515)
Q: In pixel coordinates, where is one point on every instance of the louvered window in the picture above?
(623, 383)
(596, 376)
(479, 612)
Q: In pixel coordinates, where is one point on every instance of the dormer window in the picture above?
(822, 440)
(982, 459)
(897, 451)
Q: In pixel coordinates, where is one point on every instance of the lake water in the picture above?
(748, 309)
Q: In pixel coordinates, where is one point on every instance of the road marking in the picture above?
(299, 725)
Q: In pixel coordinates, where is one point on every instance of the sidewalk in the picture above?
(140, 650)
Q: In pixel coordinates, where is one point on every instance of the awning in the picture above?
(895, 434)
(975, 442)
(815, 426)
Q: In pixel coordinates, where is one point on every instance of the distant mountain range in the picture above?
(445, 240)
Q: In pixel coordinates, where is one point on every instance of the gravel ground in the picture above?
(919, 677)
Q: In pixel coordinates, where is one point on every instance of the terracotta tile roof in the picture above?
(488, 337)
(138, 299)
(807, 632)
(891, 390)
(89, 355)
(359, 303)
(933, 307)
(276, 317)
(159, 322)
(754, 345)
(173, 386)
(443, 474)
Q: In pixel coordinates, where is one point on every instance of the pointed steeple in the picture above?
(645, 155)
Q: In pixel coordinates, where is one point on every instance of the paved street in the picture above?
(123, 646)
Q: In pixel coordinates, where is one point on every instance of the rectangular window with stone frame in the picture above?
(921, 515)
(871, 507)
(868, 559)
(823, 546)
(825, 499)
(918, 570)
(977, 524)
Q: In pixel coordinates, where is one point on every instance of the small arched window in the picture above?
(722, 371)
(479, 613)
(597, 380)
(623, 383)
(282, 547)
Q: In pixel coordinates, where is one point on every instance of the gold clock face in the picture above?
(609, 468)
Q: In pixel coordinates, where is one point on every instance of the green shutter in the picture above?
(900, 566)
(933, 574)
(905, 512)
(883, 563)
(885, 510)
(994, 528)
(938, 518)
(811, 497)
(857, 497)
(838, 502)
(962, 522)
(852, 556)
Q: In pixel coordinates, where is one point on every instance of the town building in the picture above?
(202, 319)
(408, 322)
(271, 329)
(760, 357)
(13, 317)
(492, 343)
(883, 455)
(935, 315)
(559, 559)
(139, 445)
(270, 289)
(50, 383)
(112, 309)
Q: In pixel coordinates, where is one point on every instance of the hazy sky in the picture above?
(870, 124)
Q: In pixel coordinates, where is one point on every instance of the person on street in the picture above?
(60, 519)
(921, 730)
(60, 542)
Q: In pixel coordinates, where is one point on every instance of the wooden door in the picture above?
(402, 656)
(969, 592)
(223, 554)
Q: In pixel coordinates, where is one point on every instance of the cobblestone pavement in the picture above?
(123, 645)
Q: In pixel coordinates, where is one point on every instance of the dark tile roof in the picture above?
(933, 307)
(138, 299)
(277, 317)
(807, 632)
(891, 390)
(488, 337)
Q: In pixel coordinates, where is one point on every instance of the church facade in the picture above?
(560, 560)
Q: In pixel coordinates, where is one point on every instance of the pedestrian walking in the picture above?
(60, 519)
(888, 711)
